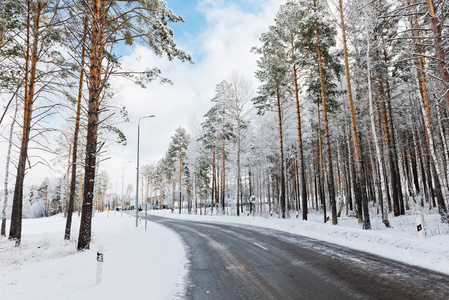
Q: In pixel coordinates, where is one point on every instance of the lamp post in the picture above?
(123, 176)
(137, 180)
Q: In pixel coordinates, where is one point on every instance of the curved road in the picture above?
(246, 262)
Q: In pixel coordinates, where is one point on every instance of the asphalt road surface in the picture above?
(246, 262)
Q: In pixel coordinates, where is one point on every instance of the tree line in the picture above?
(350, 117)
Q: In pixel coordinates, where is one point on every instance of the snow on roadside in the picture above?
(401, 242)
(137, 263)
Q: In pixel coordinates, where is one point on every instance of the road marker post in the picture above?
(99, 267)
(419, 227)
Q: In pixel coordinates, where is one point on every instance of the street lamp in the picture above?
(137, 180)
(123, 176)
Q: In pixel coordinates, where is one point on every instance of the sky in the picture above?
(219, 35)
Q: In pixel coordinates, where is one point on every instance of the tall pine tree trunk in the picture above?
(95, 87)
(302, 172)
(320, 165)
(393, 174)
(393, 143)
(361, 180)
(75, 140)
(437, 29)
(331, 183)
(281, 150)
(15, 231)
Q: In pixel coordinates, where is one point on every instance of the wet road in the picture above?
(246, 262)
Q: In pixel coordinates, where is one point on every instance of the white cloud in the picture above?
(223, 47)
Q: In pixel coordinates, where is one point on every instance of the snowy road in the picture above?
(245, 262)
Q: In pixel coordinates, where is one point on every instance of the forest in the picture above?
(351, 116)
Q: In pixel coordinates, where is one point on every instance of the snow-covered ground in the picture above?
(137, 263)
(153, 262)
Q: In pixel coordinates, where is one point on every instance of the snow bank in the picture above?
(137, 263)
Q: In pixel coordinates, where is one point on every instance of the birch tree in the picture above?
(238, 108)
(373, 128)
(8, 159)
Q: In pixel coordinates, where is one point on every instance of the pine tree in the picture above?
(287, 35)
(42, 22)
(142, 20)
(321, 68)
(177, 153)
(273, 92)
(211, 132)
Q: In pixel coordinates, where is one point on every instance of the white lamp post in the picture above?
(137, 180)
